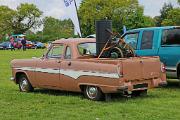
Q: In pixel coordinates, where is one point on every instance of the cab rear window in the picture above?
(87, 48)
(171, 36)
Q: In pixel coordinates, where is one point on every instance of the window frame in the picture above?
(50, 48)
(65, 52)
(162, 45)
(80, 52)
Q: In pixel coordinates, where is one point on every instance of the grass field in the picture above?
(160, 104)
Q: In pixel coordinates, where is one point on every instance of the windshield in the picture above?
(87, 49)
(29, 42)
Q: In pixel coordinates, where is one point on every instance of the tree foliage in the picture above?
(19, 21)
(173, 18)
(163, 14)
(6, 17)
(56, 29)
(169, 16)
(121, 12)
(26, 16)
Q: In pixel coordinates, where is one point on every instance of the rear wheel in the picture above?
(93, 93)
(24, 84)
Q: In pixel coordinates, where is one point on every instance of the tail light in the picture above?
(163, 68)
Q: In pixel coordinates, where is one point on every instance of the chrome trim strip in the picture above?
(71, 73)
(171, 68)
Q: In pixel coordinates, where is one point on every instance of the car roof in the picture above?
(74, 40)
(164, 27)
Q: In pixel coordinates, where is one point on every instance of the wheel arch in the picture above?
(82, 86)
(18, 74)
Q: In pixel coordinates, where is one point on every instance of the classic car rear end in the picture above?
(71, 65)
(125, 75)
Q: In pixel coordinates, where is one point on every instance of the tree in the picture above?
(6, 15)
(121, 12)
(163, 13)
(148, 22)
(56, 29)
(19, 21)
(173, 17)
(26, 17)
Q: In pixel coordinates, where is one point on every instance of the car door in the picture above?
(148, 43)
(68, 65)
(170, 48)
(48, 68)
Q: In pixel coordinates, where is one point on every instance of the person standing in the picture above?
(12, 43)
(23, 41)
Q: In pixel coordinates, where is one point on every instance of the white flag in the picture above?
(71, 11)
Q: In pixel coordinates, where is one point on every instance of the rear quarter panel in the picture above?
(105, 74)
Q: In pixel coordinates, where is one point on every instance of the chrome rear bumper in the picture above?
(162, 84)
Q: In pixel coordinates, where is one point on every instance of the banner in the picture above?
(72, 13)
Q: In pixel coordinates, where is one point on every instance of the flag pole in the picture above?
(78, 18)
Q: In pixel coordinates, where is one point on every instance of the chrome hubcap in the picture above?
(92, 92)
(24, 84)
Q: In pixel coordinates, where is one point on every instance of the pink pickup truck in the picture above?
(72, 65)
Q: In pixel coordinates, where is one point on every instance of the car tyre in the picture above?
(24, 84)
(93, 93)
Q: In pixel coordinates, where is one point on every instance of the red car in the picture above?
(18, 44)
(29, 45)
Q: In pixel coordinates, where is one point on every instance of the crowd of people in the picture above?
(18, 43)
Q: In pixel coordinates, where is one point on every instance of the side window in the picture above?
(87, 48)
(55, 52)
(147, 39)
(68, 53)
(170, 37)
(131, 39)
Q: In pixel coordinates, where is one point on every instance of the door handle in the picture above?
(69, 64)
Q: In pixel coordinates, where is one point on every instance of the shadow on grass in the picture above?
(173, 84)
(57, 92)
(115, 97)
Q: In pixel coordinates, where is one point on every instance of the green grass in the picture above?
(160, 104)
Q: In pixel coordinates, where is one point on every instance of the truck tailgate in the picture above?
(141, 68)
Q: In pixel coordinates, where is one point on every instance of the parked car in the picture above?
(18, 44)
(30, 45)
(158, 41)
(5, 45)
(66, 66)
(39, 45)
(91, 36)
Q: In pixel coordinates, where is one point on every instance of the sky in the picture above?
(55, 8)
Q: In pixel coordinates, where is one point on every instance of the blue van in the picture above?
(158, 41)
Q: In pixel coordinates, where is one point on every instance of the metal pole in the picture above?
(77, 17)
